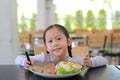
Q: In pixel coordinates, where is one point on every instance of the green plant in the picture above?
(79, 19)
(116, 22)
(102, 19)
(27, 24)
(68, 19)
(90, 20)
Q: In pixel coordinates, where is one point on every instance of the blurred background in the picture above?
(87, 14)
(24, 21)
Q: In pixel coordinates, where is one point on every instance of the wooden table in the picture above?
(13, 72)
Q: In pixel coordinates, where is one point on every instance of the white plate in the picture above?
(57, 76)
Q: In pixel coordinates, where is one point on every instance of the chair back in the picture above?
(80, 32)
(96, 41)
(39, 49)
(115, 40)
(78, 51)
(26, 37)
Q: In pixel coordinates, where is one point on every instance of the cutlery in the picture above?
(28, 58)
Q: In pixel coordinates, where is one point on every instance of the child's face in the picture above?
(56, 42)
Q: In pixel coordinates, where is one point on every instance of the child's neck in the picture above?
(63, 58)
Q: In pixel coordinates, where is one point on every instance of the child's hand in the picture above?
(27, 63)
(86, 60)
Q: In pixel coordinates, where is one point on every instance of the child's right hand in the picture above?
(27, 63)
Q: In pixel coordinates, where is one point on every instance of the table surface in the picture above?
(13, 72)
(117, 66)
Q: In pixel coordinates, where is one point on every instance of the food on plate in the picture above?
(37, 68)
(48, 68)
(68, 67)
(60, 68)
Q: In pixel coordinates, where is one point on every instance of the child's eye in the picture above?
(59, 38)
(50, 41)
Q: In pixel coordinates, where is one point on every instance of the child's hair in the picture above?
(62, 29)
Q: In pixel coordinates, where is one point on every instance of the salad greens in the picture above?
(62, 70)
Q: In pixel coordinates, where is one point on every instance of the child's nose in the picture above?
(55, 44)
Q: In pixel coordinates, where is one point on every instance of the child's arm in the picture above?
(27, 63)
(98, 61)
(94, 61)
(21, 59)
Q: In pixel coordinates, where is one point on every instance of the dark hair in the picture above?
(62, 29)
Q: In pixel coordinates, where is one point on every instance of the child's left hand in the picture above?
(86, 60)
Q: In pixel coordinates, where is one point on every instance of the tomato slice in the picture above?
(53, 72)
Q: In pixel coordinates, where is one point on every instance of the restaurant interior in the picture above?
(93, 26)
(96, 28)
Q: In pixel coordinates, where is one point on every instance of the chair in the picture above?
(96, 43)
(26, 41)
(77, 51)
(82, 32)
(40, 32)
(79, 38)
(38, 42)
(114, 49)
(39, 49)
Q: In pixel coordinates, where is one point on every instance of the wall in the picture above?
(8, 31)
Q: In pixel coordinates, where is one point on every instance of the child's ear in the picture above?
(69, 41)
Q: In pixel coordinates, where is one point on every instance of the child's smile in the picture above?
(56, 50)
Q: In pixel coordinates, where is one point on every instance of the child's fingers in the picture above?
(27, 63)
(84, 56)
(32, 62)
(85, 52)
(86, 62)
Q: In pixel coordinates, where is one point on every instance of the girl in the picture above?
(58, 44)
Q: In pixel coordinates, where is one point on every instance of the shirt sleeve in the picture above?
(98, 61)
(38, 58)
(20, 60)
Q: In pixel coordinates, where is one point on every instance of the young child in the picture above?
(58, 44)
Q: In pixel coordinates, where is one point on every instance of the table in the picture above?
(13, 72)
(117, 66)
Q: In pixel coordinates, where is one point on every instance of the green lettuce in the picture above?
(62, 70)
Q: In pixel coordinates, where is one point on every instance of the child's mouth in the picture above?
(56, 50)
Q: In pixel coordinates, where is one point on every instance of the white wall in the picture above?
(8, 31)
(8, 26)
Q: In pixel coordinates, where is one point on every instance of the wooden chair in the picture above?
(96, 43)
(114, 49)
(26, 37)
(39, 44)
(79, 38)
(80, 32)
(40, 32)
(77, 51)
(39, 49)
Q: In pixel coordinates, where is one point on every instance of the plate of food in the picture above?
(60, 70)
